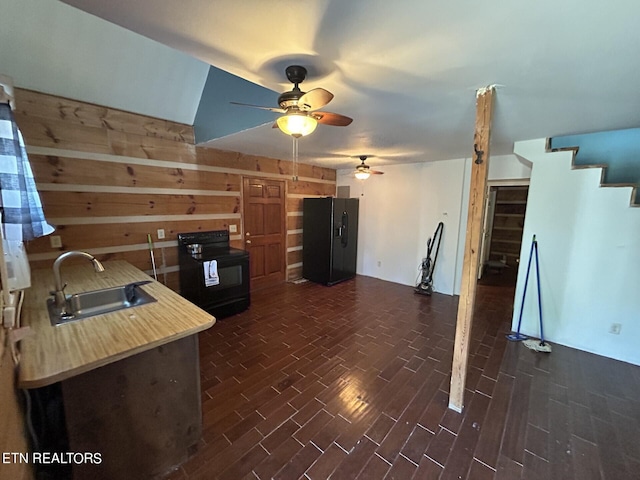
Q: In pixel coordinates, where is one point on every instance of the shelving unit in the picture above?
(508, 223)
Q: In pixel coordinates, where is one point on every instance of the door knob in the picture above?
(248, 241)
(248, 234)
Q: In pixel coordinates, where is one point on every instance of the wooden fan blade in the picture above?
(371, 172)
(314, 99)
(335, 119)
(278, 110)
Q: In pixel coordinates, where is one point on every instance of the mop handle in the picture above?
(539, 295)
(526, 282)
(153, 260)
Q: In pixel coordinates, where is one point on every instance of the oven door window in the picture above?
(230, 276)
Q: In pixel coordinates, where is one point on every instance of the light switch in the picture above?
(233, 229)
(56, 241)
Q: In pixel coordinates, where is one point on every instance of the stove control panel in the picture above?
(218, 237)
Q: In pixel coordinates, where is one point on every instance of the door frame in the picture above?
(488, 221)
(487, 228)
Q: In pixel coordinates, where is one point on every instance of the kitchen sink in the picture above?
(97, 302)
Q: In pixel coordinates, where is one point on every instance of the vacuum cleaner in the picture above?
(428, 265)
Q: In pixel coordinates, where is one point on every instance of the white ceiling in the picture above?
(407, 71)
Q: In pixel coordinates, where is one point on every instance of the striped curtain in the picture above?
(22, 215)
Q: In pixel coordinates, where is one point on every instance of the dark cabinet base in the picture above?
(142, 414)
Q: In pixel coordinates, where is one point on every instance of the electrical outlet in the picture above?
(233, 228)
(615, 328)
(160, 233)
(56, 241)
(379, 263)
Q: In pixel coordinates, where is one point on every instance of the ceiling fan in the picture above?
(301, 115)
(363, 171)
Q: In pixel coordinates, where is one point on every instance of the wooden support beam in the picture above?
(479, 169)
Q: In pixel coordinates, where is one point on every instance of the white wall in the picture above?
(400, 210)
(588, 240)
(507, 167)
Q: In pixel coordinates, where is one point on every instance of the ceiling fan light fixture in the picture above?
(297, 124)
(360, 175)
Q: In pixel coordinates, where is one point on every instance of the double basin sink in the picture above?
(97, 302)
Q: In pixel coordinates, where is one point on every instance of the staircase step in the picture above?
(563, 149)
(615, 185)
(618, 150)
(582, 167)
(635, 194)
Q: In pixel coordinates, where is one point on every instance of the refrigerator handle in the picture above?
(345, 229)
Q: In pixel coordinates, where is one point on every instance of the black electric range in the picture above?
(216, 278)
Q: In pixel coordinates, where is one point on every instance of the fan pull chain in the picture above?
(295, 159)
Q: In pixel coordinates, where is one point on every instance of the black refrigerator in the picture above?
(329, 239)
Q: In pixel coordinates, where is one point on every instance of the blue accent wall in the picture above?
(216, 117)
(618, 149)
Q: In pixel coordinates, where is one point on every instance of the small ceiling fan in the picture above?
(301, 115)
(363, 171)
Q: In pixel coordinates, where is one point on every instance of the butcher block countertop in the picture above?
(54, 353)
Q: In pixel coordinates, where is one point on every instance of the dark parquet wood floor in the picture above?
(351, 381)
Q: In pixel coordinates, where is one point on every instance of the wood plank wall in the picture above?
(108, 177)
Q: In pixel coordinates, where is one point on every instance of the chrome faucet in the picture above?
(60, 298)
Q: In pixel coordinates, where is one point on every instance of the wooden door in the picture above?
(265, 230)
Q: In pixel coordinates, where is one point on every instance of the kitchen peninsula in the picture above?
(129, 379)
